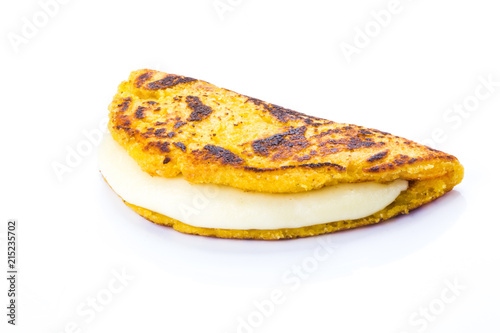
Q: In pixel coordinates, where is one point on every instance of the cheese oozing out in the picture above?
(225, 207)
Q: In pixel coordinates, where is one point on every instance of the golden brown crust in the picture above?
(173, 124)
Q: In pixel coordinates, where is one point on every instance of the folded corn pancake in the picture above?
(174, 126)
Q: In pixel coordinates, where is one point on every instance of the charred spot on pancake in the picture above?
(170, 134)
(122, 120)
(403, 159)
(139, 113)
(181, 146)
(303, 158)
(123, 106)
(255, 169)
(321, 165)
(379, 132)
(163, 146)
(349, 142)
(356, 142)
(139, 81)
(166, 160)
(327, 132)
(378, 156)
(381, 167)
(347, 137)
(160, 133)
(168, 81)
(434, 150)
(365, 131)
(151, 102)
(222, 155)
(282, 144)
(179, 124)
(124, 123)
(284, 115)
(146, 134)
(307, 165)
(128, 130)
(200, 110)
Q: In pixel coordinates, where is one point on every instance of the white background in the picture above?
(75, 234)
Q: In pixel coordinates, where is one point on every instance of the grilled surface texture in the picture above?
(174, 125)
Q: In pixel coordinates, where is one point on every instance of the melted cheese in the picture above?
(224, 207)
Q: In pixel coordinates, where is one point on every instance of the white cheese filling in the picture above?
(225, 207)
